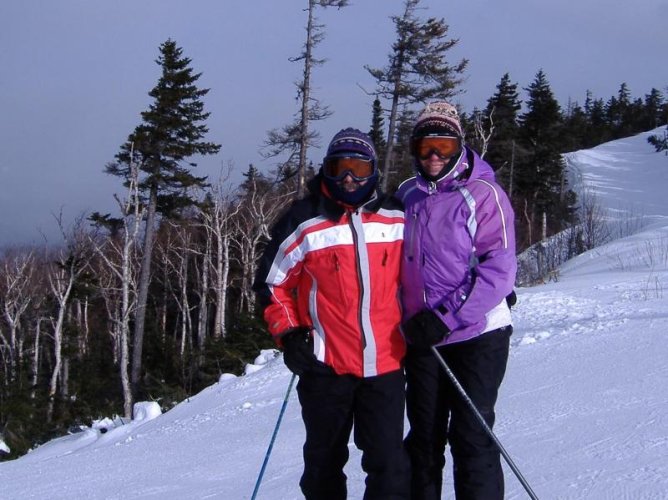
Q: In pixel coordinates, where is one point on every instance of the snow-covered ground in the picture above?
(583, 410)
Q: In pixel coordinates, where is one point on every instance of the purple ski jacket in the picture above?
(459, 249)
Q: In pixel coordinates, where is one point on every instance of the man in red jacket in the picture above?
(328, 284)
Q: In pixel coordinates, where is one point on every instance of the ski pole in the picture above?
(273, 437)
(478, 416)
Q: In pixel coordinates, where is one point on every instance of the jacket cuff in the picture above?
(447, 317)
(278, 337)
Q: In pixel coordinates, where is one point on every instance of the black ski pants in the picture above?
(331, 404)
(439, 415)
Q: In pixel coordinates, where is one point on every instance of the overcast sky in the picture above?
(76, 73)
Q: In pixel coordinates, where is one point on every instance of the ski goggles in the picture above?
(337, 167)
(442, 146)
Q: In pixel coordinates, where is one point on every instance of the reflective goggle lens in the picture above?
(338, 167)
(444, 147)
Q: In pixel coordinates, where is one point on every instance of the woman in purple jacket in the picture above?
(458, 267)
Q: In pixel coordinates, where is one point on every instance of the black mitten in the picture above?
(298, 350)
(511, 299)
(425, 329)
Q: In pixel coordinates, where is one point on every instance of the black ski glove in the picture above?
(425, 329)
(511, 299)
(298, 350)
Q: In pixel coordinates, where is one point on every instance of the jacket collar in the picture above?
(459, 176)
(333, 209)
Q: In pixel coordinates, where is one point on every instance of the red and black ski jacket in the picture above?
(336, 271)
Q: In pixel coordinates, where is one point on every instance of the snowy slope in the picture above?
(627, 175)
(583, 410)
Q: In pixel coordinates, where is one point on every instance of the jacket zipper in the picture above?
(411, 254)
(359, 273)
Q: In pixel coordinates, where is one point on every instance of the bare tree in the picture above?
(120, 290)
(110, 292)
(483, 133)
(529, 222)
(15, 297)
(79, 311)
(217, 215)
(593, 228)
(36, 350)
(176, 255)
(203, 270)
(67, 265)
(296, 138)
(259, 208)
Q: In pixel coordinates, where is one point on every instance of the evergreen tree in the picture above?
(576, 128)
(625, 111)
(663, 115)
(377, 130)
(540, 179)
(403, 161)
(257, 182)
(618, 111)
(659, 141)
(502, 112)
(652, 110)
(171, 132)
(417, 69)
(634, 121)
(599, 129)
(468, 123)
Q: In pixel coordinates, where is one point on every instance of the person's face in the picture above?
(349, 184)
(433, 164)
(436, 151)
